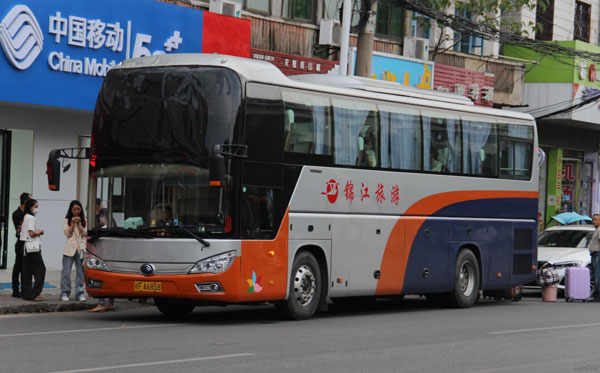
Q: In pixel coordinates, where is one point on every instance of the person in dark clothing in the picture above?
(33, 264)
(17, 218)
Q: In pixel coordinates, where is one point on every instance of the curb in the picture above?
(42, 307)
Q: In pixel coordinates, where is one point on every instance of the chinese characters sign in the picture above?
(57, 51)
(378, 192)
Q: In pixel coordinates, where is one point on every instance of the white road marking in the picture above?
(155, 363)
(83, 330)
(548, 328)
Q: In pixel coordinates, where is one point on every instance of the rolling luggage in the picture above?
(577, 284)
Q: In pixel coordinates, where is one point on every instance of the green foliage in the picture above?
(488, 10)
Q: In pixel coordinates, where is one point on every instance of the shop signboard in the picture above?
(56, 52)
(407, 71)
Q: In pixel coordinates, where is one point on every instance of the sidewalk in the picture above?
(51, 294)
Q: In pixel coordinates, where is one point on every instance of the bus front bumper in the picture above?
(222, 287)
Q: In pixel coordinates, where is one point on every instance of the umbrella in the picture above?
(570, 217)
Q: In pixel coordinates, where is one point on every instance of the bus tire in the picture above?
(173, 308)
(466, 280)
(304, 289)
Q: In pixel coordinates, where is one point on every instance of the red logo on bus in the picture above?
(331, 191)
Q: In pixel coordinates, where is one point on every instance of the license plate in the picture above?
(146, 286)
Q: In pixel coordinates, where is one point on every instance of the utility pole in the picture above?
(345, 38)
(364, 50)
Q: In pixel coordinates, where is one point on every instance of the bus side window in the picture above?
(356, 133)
(400, 137)
(516, 151)
(306, 123)
(480, 149)
(442, 142)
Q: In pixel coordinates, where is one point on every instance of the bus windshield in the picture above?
(160, 196)
(153, 132)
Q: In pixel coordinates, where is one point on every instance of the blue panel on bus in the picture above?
(503, 208)
(438, 241)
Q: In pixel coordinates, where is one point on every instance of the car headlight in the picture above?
(93, 262)
(572, 263)
(214, 264)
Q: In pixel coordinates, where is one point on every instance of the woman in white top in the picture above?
(33, 264)
(75, 229)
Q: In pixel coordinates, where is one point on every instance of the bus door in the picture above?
(5, 141)
(359, 244)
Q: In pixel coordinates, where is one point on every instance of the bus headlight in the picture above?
(215, 264)
(93, 262)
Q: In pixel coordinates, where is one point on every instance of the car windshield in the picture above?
(565, 238)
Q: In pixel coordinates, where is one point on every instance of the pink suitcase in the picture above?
(577, 284)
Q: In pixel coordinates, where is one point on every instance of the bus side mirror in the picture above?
(216, 167)
(53, 170)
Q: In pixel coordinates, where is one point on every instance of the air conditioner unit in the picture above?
(416, 48)
(228, 8)
(330, 32)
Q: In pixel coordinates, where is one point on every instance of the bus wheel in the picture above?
(466, 280)
(305, 288)
(173, 308)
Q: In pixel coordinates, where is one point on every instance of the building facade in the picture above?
(561, 92)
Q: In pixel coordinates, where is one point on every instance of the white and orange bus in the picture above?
(225, 182)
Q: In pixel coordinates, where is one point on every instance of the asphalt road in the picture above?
(388, 336)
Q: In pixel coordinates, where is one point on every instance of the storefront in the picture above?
(561, 93)
(55, 55)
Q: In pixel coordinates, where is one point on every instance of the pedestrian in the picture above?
(17, 218)
(33, 264)
(102, 306)
(75, 229)
(595, 254)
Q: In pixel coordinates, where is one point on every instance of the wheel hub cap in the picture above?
(304, 285)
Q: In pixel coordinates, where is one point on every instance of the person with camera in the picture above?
(75, 229)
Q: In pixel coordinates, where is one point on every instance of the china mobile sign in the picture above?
(57, 51)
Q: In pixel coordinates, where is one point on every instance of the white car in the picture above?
(565, 246)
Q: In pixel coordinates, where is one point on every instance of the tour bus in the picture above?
(218, 180)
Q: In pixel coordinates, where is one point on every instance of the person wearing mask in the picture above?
(33, 264)
(595, 254)
(75, 229)
(17, 218)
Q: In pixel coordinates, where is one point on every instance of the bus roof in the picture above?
(265, 72)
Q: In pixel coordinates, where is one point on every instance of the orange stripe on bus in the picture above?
(397, 249)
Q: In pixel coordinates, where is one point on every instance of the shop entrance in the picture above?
(5, 141)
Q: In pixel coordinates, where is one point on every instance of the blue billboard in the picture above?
(406, 71)
(56, 52)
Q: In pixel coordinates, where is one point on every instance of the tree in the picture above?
(488, 16)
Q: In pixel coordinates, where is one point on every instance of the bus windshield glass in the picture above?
(165, 196)
(153, 132)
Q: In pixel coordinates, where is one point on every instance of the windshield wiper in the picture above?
(192, 234)
(116, 232)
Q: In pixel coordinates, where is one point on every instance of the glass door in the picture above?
(5, 140)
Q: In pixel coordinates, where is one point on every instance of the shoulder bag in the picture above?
(32, 246)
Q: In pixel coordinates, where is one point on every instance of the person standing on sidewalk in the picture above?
(595, 254)
(75, 229)
(33, 264)
(17, 218)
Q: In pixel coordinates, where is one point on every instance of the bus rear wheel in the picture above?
(173, 308)
(466, 280)
(304, 290)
